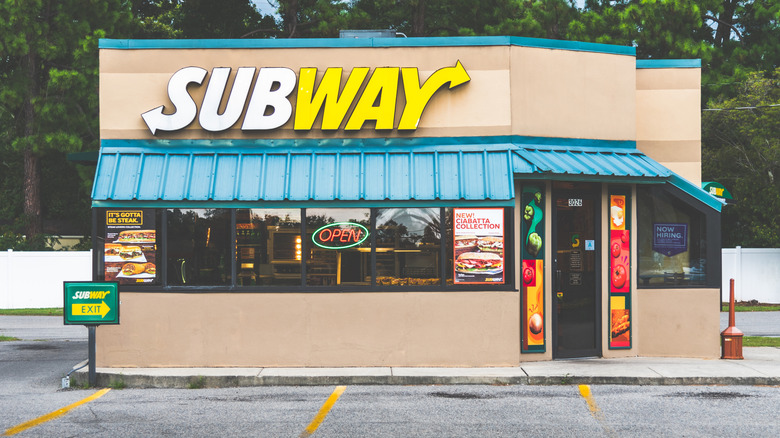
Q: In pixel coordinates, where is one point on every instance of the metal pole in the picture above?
(732, 317)
(91, 342)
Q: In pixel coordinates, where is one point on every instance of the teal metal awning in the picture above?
(358, 171)
(616, 164)
(225, 171)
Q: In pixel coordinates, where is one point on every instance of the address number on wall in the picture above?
(575, 202)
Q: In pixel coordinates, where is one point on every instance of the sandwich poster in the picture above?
(130, 247)
(479, 245)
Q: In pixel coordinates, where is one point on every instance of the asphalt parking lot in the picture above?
(31, 371)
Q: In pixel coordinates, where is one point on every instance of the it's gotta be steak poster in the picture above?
(479, 245)
(130, 247)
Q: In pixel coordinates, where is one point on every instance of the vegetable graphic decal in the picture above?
(533, 214)
(532, 270)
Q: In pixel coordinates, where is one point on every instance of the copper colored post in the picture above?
(731, 338)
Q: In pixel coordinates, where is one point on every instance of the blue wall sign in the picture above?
(670, 239)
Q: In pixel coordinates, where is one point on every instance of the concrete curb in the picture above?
(80, 378)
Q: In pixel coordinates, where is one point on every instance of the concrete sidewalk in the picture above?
(760, 366)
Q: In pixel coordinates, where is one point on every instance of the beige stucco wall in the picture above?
(668, 110)
(135, 81)
(513, 90)
(678, 322)
(313, 329)
(560, 93)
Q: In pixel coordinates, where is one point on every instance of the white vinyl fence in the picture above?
(33, 279)
(756, 274)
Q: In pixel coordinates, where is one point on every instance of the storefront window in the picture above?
(476, 253)
(338, 247)
(129, 242)
(268, 247)
(672, 241)
(198, 247)
(408, 246)
(295, 249)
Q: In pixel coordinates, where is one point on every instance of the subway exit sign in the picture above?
(90, 303)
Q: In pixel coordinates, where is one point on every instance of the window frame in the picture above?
(712, 222)
(234, 287)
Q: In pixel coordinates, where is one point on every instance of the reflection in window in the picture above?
(268, 247)
(671, 240)
(337, 258)
(408, 243)
(199, 247)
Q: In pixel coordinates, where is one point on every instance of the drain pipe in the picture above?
(66, 379)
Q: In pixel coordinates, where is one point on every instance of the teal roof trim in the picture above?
(303, 204)
(294, 43)
(363, 144)
(696, 191)
(668, 63)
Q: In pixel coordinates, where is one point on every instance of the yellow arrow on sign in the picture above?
(101, 309)
(417, 97)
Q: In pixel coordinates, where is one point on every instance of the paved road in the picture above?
(46, 352)
(754, 323)
(31, 328)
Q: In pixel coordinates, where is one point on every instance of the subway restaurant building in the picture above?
(479, 201)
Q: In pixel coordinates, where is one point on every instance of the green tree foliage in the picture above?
(657, 28)
(747, 40)
(311, 18)
(416, 18)
(48, 75)
(47, 85)
(155, 18)
(538, 19)
(743, 153)
(221, 19)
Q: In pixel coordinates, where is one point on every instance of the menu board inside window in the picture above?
(130, 249)
(479, 245)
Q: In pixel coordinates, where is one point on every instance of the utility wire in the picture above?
(742, 108)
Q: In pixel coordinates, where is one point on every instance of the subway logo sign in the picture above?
(268, 105)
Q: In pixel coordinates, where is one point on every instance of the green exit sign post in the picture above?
(88, 303)
(91, 303)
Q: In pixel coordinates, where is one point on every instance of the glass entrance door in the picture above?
(576, 325)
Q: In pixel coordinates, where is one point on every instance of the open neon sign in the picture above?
(340, 235)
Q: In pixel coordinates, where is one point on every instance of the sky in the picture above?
(264, 7)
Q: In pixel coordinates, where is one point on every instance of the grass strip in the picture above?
(764, 308)
(51, 311)
(8, 338)
(760, 341)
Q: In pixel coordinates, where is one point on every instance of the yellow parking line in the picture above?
(315, 423)
(52, 415)
(585, 393)
(595, 411)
